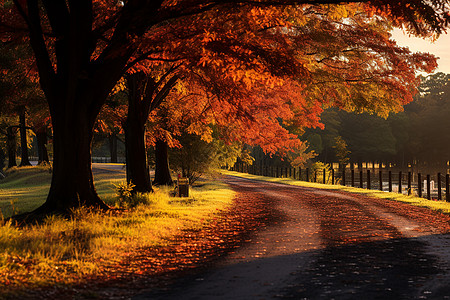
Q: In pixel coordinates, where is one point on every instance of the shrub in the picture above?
(124, 193)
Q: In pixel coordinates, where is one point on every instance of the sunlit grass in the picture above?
(441, 206)
(24, 189)
(62, 250)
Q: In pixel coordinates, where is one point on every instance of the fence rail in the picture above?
(430, 186)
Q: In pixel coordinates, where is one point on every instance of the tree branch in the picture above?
(44, 64)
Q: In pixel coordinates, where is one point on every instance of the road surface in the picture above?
(328, 245)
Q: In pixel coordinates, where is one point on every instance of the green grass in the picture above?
(64, 250)
(441, 206)
(26, 188)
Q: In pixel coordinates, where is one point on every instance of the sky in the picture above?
(440, 48)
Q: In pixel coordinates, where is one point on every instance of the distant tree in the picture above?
(428, 122)
(342, 153)
(195, 157)
(369, 137)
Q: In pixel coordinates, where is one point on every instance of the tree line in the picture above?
(418, 135)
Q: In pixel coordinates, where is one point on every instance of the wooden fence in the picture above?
(430, 186)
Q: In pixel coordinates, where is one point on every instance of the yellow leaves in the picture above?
(120, 86)
(205, 132)
(338, 12)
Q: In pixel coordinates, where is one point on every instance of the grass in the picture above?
(26, 188)
(64, 250)
(441, 206)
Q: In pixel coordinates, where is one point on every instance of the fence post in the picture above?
(307, 174)
(400, 182)
(380, 175)
(368, 180)
(409, 183)
(447, 183)
(361, 183)
(439, 186)
(428, 187)
(419, 184)
(390, 181)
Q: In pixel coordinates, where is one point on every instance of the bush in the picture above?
(317, 169)
(124, 193)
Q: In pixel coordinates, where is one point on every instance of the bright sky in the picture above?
(440, 48)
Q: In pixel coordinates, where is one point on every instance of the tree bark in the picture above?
(139, 99)
(11, 146)
(162, 170)
(25, 161)
(41, 137)
(72, 182)
(136, 155)
(113, 147)
(2, 159)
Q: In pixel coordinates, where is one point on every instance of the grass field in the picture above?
(441, 206)
(64, 251)
(26, 188)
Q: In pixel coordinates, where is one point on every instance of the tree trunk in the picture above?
(113, 147)
(25, 161)
(11, 146)
(72, 182)
(162, 171)
(2, 159)
(135, 148)
(41, 137)
(136, 155)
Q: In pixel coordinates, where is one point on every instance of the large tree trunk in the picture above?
(11, 146)
(162, 170)
(113, 147)
(25, 161)
(137, 167)
(41, 137)
(2, 159)
(140, 92)
(72, 182)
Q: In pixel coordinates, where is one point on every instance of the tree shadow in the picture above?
(400, 268)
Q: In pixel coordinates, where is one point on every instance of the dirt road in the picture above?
(329, 245)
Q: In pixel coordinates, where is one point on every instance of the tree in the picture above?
(145, 93)
(11, 146)
(23, 138)
(93, 45)
(342, 152)
(369, 137)
(21, 96)
(428, 124)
